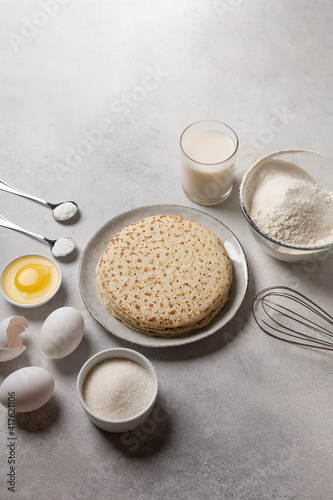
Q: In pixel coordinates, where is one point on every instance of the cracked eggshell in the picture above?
(62, 332)
(10, 342)
(27, 389)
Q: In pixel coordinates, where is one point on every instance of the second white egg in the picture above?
(62, 332)
(27, 389)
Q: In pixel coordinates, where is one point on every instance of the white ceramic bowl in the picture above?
(117, 425)
(41, 302)
(320, 168)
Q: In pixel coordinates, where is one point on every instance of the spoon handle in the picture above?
(10, 225)
(10, 189)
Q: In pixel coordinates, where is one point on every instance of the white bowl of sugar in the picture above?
(117, 388)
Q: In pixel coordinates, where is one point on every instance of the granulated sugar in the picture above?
(286, 203)
(116, 389)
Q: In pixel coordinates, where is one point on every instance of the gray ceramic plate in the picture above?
(95, 249)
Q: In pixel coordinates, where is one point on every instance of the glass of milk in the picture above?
(209, 150)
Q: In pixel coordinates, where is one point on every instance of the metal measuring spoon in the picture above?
(62, 211)
(60, 247)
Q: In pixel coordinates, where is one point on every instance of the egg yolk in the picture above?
(32, 278)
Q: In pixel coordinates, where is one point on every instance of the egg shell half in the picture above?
(10, 329)
(62, 332)
(10, 342)
(27, 389)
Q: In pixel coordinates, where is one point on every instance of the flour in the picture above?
(63, 247)
(64, 211)
(286, 203)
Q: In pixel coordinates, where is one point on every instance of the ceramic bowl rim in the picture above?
(119, 352)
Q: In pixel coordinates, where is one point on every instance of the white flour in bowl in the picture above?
(286, 203)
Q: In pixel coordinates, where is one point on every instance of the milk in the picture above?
(209, 147)
(208, 163)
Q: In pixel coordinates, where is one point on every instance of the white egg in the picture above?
(62, 332)
(10, 342)
(27, 389)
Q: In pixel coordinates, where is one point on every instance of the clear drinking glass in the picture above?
(209, 149)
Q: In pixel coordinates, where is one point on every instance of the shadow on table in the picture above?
(147, 439)
(41, 419)
(309, 276)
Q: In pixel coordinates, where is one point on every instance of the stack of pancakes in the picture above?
(164, 276)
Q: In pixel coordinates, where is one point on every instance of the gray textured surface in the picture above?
(240, 416)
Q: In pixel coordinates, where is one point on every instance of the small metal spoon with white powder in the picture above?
(60, 247)
(62, 211)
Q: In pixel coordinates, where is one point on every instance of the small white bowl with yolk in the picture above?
(30, 280)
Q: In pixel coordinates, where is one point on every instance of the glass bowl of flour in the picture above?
(287, 199)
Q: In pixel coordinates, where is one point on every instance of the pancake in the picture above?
(164, 275)
(170, 332)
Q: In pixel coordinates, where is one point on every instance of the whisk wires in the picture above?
(288, 315)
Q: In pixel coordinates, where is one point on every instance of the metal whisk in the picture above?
(288, 315)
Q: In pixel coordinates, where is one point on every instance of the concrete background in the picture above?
(94, 97)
